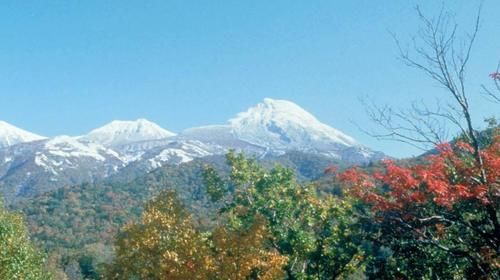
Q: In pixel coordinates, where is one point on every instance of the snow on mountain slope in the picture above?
(119, 133)
(11, 135)
(178, 152)
(34, 167)
(70, 147)
(220, 135)
(269, 129)
(274, 127)
(57, 155)
(281, 124)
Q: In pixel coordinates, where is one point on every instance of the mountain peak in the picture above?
(276, 109)
(271, 101)
(285, 125)
(119, 132)
(279, 103)
(11, 135)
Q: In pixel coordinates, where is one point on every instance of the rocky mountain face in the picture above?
(31, 164)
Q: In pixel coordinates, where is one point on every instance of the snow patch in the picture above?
(68, 147)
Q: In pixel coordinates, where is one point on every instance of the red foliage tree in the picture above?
(462, 193)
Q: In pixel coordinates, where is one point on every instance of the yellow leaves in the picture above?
(166, 246)
(242, 253)
(170, 256)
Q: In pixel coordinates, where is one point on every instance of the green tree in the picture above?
(18, 257)
(318, 235)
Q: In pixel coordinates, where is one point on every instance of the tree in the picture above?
(164, 245)
(439, 218)
(436, 216)
(18, 257)
(318, 236)
(439, 53)
(243, 254)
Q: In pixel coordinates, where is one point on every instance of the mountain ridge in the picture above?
(268, 129)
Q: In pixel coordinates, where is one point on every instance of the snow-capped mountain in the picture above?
(11, 135)
(281, 124)
(278, 126)
(31, 164)
(118, 133)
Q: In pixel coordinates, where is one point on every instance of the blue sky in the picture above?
(69, 66)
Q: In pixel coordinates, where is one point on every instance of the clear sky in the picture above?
(69, 66)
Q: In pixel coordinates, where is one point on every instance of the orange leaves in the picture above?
(491, 158)
(438, 187)
(356, 177)
(480, 192)
(418, 197)
(449, 203)
(445, 179)
(399, 176)
(463, 191)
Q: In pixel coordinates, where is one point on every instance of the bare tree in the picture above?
(438, 52)
(419, 126)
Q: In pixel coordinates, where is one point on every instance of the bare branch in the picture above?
(417, 128)
(440, 54)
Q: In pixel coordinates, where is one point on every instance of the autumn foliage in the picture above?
(240, 254)
(446, 178)
(448, 203)
(163, 245)
(166, 245)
